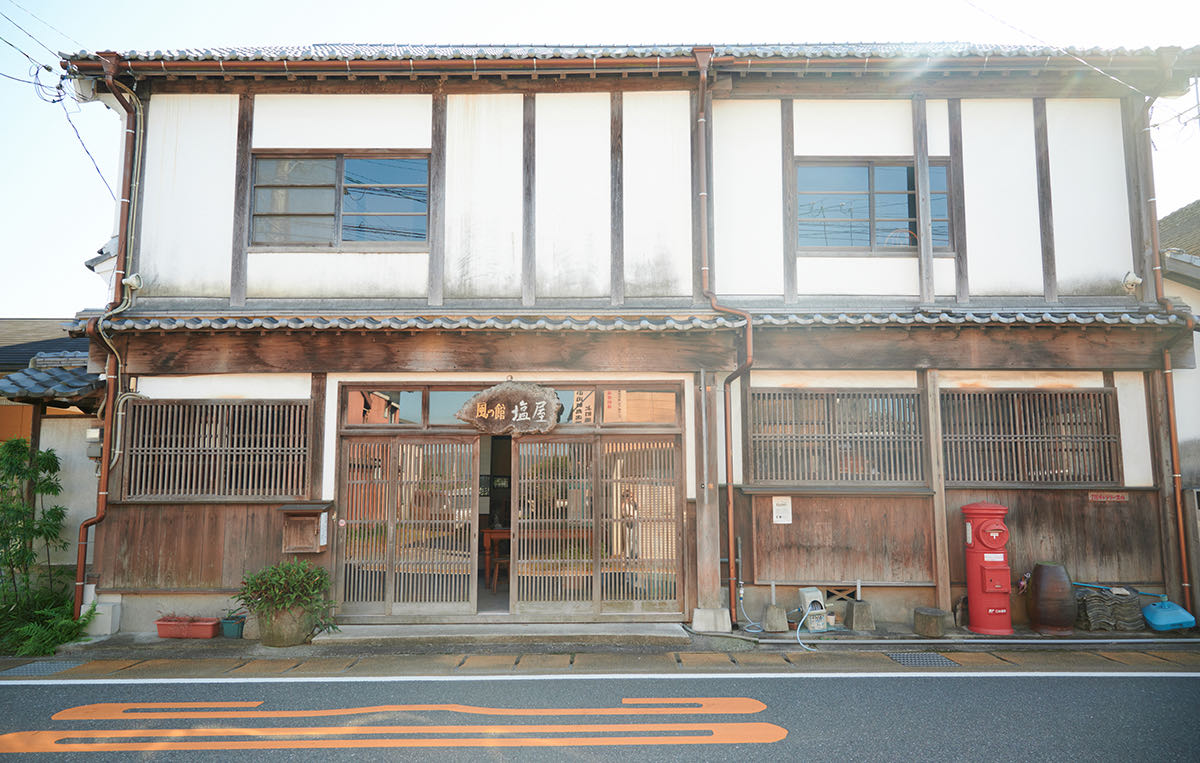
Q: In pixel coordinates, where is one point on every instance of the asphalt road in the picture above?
(845, 717)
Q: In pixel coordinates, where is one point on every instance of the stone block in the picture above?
(859, 617)
(775, 619)
(929, 622)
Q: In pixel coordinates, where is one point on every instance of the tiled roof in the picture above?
(63, 384)
(1181, 229)
(645, 323)
(22, 338)
(368, 52)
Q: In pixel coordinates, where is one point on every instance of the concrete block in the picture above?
(859, 617)
(711, 621)
(107, 620)
(775, 619)
(929, 622)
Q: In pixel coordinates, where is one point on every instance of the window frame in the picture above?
(339, 156)
(870, 163)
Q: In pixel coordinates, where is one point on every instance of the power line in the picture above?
(32, 60)
(63, 103)
(18, 79)
(48, 24)
(28, 34)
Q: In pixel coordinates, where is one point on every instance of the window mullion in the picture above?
(338, 191)
(871, 205)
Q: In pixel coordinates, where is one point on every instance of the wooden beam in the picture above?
(1070, 85)
(428, 85)
(241, 201)
(437, 202)
(528, 202)
(932, 416)
(920, 135)
(788, 160)
(1045, 200)
(958, 204)
(617, 199)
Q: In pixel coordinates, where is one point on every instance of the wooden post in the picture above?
(241, 201)
(937, 483)
(316, 433)
(920, 135)
(1041, 142)
(708, 514)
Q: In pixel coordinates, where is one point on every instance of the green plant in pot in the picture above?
(233, 620)
(289, 601)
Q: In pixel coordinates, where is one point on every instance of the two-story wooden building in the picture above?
(841, 289)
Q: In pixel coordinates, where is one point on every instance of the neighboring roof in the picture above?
(341, 52)
(642, 323)
(1181, 229)
(50, 385)
(1183, 268)
(23, 338)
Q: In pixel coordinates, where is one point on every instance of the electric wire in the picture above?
(61, 33)
(67, 114)
(28, 34)
(18, 79)
(31, 59)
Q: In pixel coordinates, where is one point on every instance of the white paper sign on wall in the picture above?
(781, 509)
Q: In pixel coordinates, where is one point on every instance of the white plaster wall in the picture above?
(333, 394)
(65, 436)
(1092, 246)
(227, 387)
(187, 212)
(1020, 379)
(1187, 396)
(853, 128)
(937, 125)
(1004, 248)
(337, 274)
(343, 121)
(1136, 456)
(747, 193)
(657, 193)
(835, 379)
(573, 181)
(483, 195)
(879, 276)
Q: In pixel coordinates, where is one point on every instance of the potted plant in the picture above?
(289, 601)
(182, 626)
(232, 622)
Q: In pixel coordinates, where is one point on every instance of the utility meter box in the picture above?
(989, 577)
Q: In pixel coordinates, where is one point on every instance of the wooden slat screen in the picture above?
(871, 436)
(1031, 436)
(369, 468)
(216, 449)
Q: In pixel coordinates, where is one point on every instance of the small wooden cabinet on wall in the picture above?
(306, 527)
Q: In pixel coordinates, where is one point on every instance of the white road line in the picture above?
(589, 677)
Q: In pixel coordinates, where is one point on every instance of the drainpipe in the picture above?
(120, 301)
(1168, 373)
(703, 59)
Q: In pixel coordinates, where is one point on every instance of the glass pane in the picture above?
(383, 227)
(823, 205)
(941, 233)
(295, 171)
(810, 234)
(896, 233)
(387, 171)
(831, 178)
(579, 406)
(939, 206)
(895, 205)
(398, 407)
(893, 178)
(443, 404)
(937, 178)
(636, 407)
(376, 199)
(292, 230)
(293, 200)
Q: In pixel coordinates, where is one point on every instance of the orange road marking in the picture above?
(175, 710)
(176, 739)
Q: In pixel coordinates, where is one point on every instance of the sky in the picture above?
(57, 208)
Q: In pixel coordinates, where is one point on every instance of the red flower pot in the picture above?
(187, 627)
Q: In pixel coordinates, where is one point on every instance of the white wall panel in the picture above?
(879, 276)
(1092, 246)
(227, 387)
(342, 274)
(1004, 247)
(657, 193)
(65, 436)
(1135, 429)
(342, 121)
(937, 122)
(187, 212)
(1020, 379)
(835, 379)
(483, 195)
(853, 128)
(747, 193)
(573, 169)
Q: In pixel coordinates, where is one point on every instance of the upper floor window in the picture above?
(335, 199)
(867, 205)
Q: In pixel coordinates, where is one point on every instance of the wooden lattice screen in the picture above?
(216, 449)
(1031, 436)
(835, 436)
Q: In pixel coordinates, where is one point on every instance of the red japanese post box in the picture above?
(989, 578)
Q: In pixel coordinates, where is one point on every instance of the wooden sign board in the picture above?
(1100, 496)
(513, 407)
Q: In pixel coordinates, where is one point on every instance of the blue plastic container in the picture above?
(1167, 616)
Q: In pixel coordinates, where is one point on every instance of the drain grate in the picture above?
(42, 668)
(922, 660)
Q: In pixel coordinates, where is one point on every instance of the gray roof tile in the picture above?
(48, 384)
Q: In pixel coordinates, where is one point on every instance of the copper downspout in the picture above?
(703, 59)
(1168, 373)
(93, 333)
